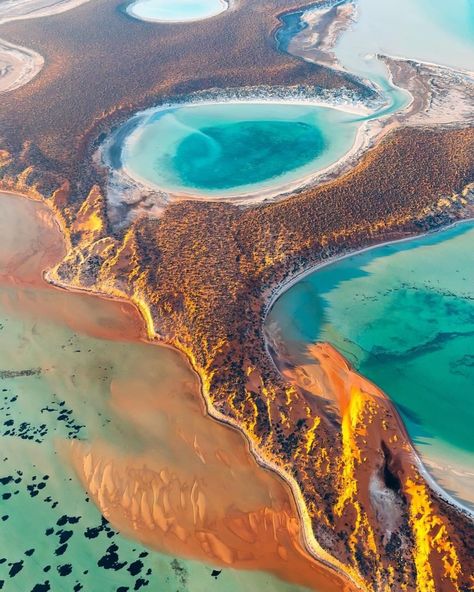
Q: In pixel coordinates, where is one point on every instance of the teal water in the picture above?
(242, 149)
(236, 154)
(233, 149)
(53, 536)
(64, 384)
(175, 10)
(432, 31)
(403, 314)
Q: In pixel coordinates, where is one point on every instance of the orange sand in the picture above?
(179, 481)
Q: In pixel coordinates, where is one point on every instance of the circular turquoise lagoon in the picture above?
(234, 149)
(179, 11)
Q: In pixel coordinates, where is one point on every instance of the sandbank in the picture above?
(435, 475)
(191, 498)
(19, 65)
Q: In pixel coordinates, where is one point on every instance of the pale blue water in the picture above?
(175, 10)
(237, 149)
(233, 149)
(456, 19)
(403, 314)
(427, 30)
(432, 31)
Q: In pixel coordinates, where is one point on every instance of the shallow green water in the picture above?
(54, 387)
(235, 148)
(403, 314)
(175, 10)
(57, 386)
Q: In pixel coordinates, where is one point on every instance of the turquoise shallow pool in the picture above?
(175, 10)
(403, 314)
(233, 149)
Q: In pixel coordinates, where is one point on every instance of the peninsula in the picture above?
(203, 273)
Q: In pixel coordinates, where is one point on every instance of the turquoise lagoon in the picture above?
(179, 11)
(235, 148)
(403, 314)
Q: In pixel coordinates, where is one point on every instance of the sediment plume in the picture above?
(191, 488)
(177, 481)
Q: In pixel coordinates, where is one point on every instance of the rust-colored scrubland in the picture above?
(206, 293)
(202, 275)
(102, 64)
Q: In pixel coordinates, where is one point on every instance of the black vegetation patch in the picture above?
(135, 568)
(15, 568)
(45, 587)
(110, 560)
(64, 570)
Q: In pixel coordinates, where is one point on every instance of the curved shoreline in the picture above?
(329, 59)
(286, 285)
(153, 337)
(311, 542)
(18, 65)
(30, 9)
(150, 337)
(237, 427)
(376, 121)
(23, 61)
(120, 182)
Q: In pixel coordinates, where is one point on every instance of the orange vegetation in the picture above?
(206, 292)
(203, 273)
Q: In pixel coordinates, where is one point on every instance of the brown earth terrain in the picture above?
(176, 479)
(203, 273)
(103, 64)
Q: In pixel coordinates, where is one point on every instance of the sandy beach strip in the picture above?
(19, 65)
